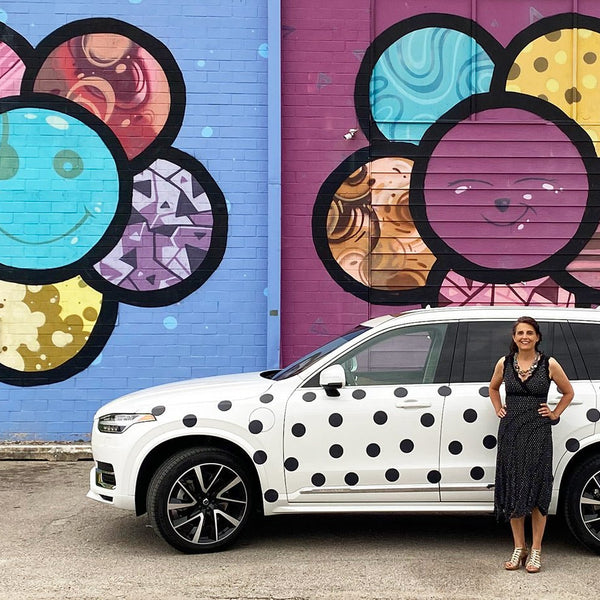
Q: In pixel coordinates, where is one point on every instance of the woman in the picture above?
(524, 462)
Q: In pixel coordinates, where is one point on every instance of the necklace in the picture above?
(525, 373)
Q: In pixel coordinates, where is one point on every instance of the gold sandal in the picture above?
(518, 558)
(534, 564)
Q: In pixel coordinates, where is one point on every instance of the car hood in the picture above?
(192, 391)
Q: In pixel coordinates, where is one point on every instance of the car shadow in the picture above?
(371, 530)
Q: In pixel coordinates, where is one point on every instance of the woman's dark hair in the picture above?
(530, 321)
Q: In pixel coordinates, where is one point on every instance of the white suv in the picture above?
(393, 416)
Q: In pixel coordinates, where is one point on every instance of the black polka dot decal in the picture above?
(427, 420)
(224, 405)
(593, 415)
(400, 392)
(351, 478)
(373, 450)
(572, 445)
(336, 451)
(255, 427)
(158, 410)
(359, 394)
(380, 417)
(260, 457)
(190, 420)
(291, 463)
(318, 479)
(309, 396)
(484, 391)
(298, 429)
(455, 447)
(266, 398)
(434, 476)
(470, 415)
(489, 441)
(392, 475)
(407, 446)
(477, 473)
(444, 390)
(335, 419)
(271, 496)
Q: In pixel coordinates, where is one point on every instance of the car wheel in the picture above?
(200, 499)
(582, 503)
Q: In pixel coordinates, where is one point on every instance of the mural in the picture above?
(480, 184)
(96, 207)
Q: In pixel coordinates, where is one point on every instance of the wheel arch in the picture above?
(168, 448)
(581, 456)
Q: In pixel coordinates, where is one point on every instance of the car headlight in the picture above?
(119, 422)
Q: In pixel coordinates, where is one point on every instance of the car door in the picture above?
(470, 425)
(378, 441)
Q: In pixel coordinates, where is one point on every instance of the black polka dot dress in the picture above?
(524, 460)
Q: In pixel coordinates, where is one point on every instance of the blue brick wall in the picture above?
(221, 48)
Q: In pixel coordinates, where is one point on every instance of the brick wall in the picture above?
(424, 204)
(199, 176)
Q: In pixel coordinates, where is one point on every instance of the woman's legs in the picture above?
(518, 530)
(538, 524)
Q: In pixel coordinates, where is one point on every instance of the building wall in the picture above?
(471, 177)
(417, 139)
(133, 202)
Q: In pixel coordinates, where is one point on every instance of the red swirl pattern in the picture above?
(115, 79)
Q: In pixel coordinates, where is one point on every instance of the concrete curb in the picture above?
(45, 451)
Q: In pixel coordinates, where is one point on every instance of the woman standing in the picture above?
(524, 462)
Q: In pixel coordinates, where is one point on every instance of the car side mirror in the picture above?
(332, 379)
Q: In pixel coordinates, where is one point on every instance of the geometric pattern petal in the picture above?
(12, 69)
(457, 290)
(168, 235)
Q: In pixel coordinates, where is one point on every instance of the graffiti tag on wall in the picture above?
(96, 206)
(480, 184)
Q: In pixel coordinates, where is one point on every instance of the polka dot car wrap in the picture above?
(389, 444)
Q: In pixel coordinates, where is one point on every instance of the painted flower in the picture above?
(480, 184)
(96, 206)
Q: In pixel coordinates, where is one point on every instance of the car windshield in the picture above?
(302, 363)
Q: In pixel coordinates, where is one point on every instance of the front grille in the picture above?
(105, 475)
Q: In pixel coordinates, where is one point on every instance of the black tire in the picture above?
(215, 495)
(582, 503)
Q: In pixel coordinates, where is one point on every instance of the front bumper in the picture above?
(112, 478)
(99, 492)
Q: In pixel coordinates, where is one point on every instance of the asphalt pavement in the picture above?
(56, 544)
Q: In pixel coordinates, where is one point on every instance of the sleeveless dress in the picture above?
(524, 459)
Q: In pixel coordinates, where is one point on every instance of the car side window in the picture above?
(479, 346)
(399, 357)
(481, 343)
(587, 338)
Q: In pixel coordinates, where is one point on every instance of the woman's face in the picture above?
(525, 336)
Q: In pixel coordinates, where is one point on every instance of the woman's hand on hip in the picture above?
(545, 411)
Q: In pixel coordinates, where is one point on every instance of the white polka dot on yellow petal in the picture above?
(590, 82)
(584, 33)
(552, 85)
(561, 57)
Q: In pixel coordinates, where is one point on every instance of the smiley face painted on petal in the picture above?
(52, 212)
(512, 201)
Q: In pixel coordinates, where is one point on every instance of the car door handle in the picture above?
(413, 404)
(556, 400)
